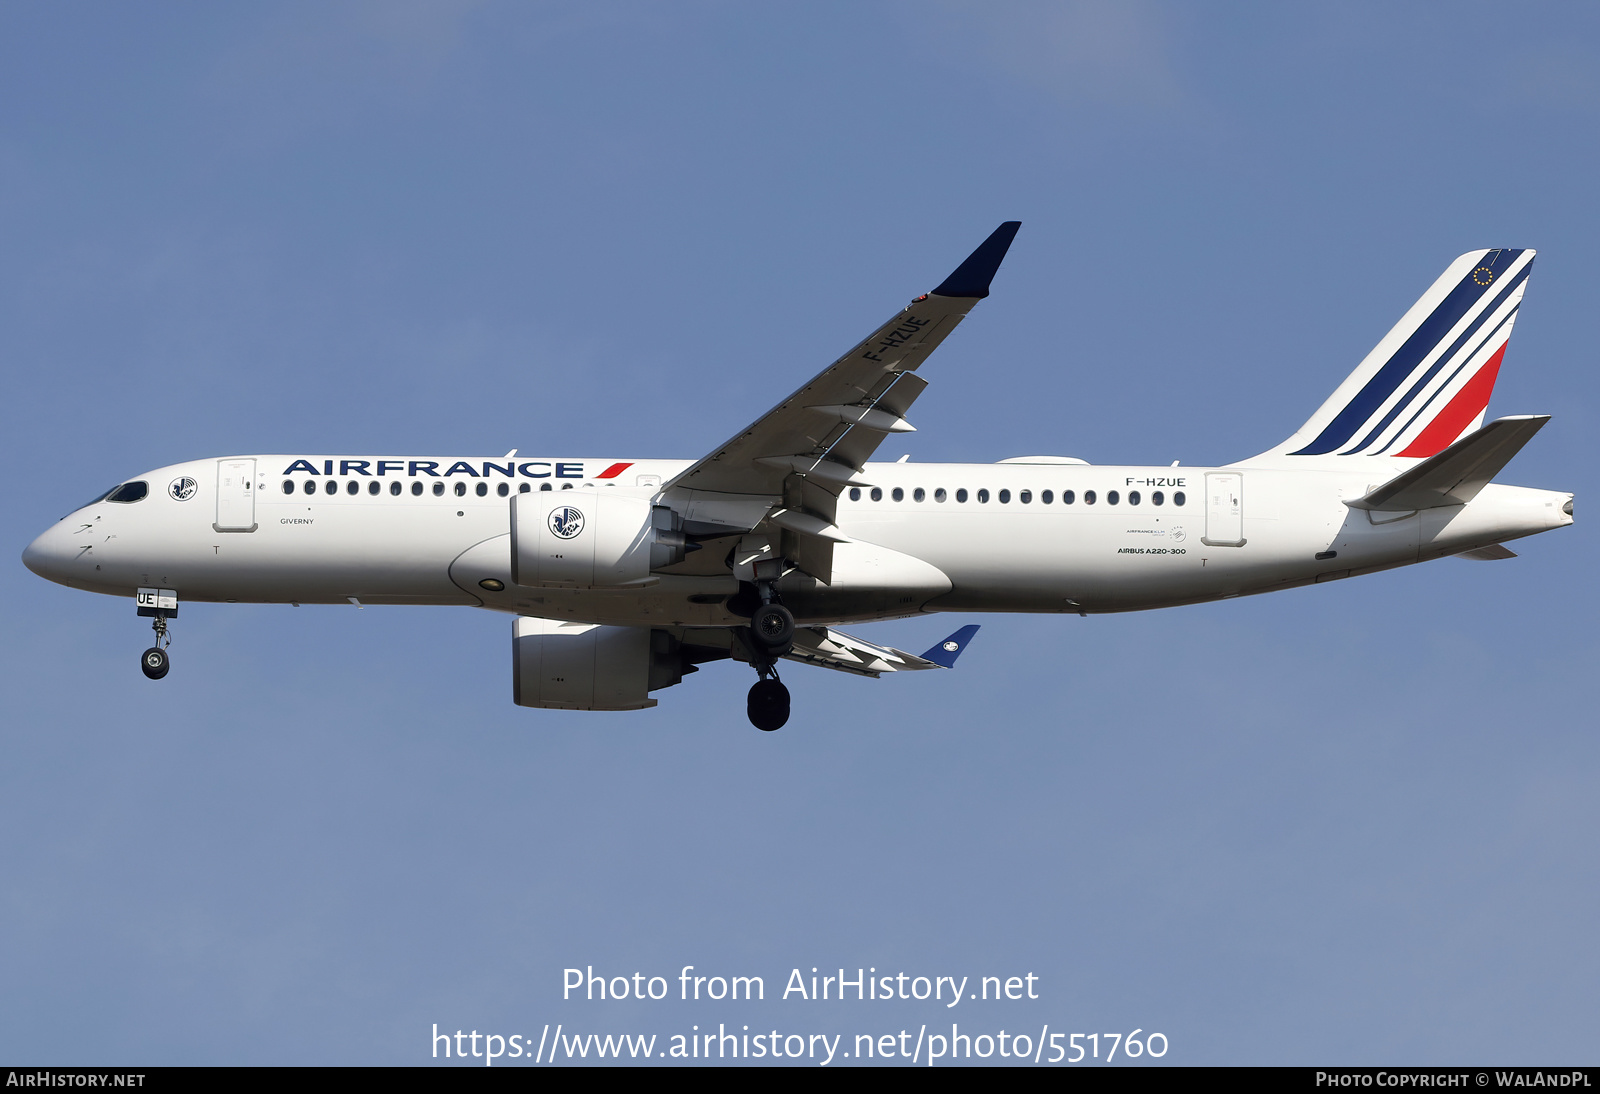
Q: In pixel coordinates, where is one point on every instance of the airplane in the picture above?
(624, 575)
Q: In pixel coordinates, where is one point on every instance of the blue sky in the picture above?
(1348, 824)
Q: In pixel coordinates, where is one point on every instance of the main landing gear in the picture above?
(768, 704)
(771, 636)
(154, 661)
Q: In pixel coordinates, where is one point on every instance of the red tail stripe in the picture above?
(1459, 412)
(614, 470)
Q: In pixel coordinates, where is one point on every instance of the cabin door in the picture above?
(1224, 510)
(236, 496)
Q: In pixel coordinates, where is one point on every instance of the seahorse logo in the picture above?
(566, 522)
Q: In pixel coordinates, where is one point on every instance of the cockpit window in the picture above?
(129, 491)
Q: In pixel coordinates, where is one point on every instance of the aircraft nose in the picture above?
(50, 555)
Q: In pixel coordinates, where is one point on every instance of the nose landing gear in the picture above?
(154, 661)
(160, 605)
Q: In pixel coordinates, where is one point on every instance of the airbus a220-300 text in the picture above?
(623, 575)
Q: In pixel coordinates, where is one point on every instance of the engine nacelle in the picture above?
(584, 539)
(585, 666)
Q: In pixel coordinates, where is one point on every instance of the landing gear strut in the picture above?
(154, 661)
(771, 636)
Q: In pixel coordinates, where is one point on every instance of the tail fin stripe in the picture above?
(1445, 359)
(1405, 360)
(1465, 361)
(1469, 402)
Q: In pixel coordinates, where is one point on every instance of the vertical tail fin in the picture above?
(1429, 381)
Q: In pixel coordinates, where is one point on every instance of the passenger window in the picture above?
(1068, 497)
(524, 488)
(1133, 497)
(939, 494)
(438, 489)
(330, 487)
(311, 486)
(288, 486)
(1005, 497)
(1158, 498)
(919, 494)
(1113, 497)
(898, 494)
(502, 490)
(1046, 497)
(983, 495)
(1178, 498)
(461, 489)
(374, 487)
(566, 486)
(352, 487)
(1088, 497)
(1025, 497)
(877, 494)
(483, 489)
(855, 493)
(544, 486)
(961, 495)
(394, 489)
(129, 492)
(416, 489)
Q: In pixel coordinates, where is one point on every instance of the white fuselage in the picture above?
(1216, 533)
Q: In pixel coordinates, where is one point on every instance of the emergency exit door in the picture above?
(236, 496)
(1224, 510)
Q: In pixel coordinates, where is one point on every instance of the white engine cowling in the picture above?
(583, 539)
(585, 666)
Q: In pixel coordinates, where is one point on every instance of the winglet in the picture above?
(972, 277)
(944, 653)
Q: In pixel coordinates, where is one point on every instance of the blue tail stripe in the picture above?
(942, 655)
(1406, 358)
(1444, 359)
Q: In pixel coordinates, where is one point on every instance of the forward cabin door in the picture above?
(236, 496)
(1224, 510)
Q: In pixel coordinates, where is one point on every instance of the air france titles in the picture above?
(481, 469)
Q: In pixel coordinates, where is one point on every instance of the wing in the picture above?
(831, 649)
(790, 465)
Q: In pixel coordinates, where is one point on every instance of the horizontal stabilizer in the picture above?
(1454, 476)
(946, 652)
(1491, 553)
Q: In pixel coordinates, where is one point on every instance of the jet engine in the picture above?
(588, 539)
(585, 666)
